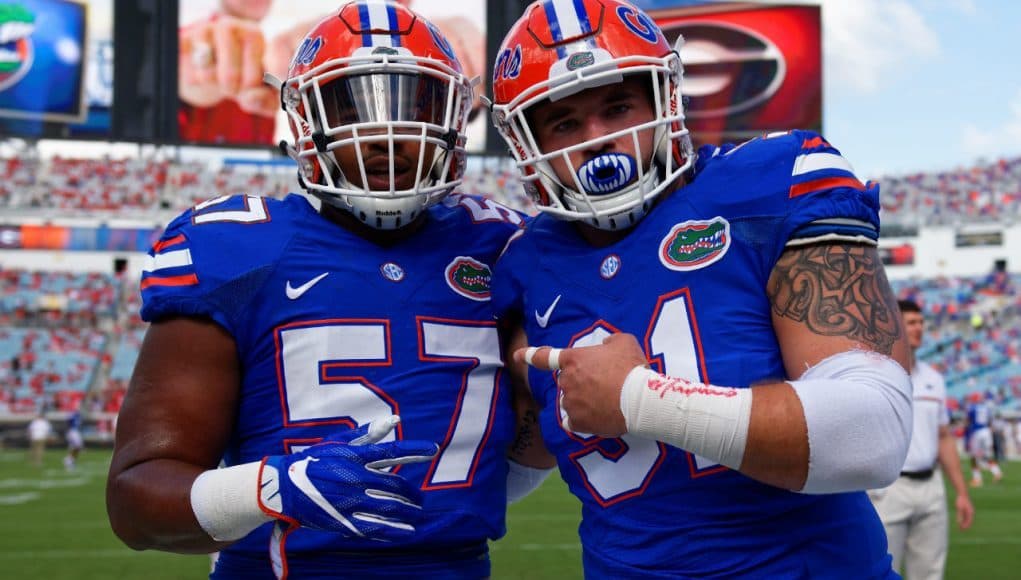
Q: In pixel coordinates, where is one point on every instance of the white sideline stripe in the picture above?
(816, 161)
(172, 259)
(102, 524)
(19, 498)
(43, 483)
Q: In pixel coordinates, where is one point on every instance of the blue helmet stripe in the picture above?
(579, 9)
(363, 19)
(395, 39)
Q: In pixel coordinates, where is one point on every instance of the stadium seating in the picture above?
(975, 353)
(985, 192)
(988, 192)
(974, 333)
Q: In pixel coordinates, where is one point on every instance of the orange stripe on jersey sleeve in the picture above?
(814, 142)
(826, 183)
(185, 280)
(158, 246)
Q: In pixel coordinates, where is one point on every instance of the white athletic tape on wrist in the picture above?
(706, 420)
(225, 501)
(523, 480)
(857, 407)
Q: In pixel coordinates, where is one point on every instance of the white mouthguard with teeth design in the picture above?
(607, 173)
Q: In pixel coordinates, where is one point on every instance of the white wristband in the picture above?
(706, 420)
(523, 480)
(226, 501)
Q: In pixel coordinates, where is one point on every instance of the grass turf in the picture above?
(53, 525)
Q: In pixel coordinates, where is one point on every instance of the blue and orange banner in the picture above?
(93, 239)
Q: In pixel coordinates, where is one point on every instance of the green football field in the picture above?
(53, 525)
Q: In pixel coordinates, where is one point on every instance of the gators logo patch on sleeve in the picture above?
(469, 278)
(695, 244)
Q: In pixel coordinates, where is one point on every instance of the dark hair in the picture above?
(909, 306)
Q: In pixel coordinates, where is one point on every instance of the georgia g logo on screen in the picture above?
(16, 51)
(727, 68)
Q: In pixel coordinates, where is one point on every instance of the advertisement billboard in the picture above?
(56, 68)
(749, 68)
(976, 238)
(225, 47)
(100, 238)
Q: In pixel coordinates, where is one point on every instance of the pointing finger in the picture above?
(544, 358)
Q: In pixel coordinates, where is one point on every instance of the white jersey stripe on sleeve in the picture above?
(174, 259)
(817, 161)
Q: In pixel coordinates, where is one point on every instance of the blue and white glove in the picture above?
(342, 485)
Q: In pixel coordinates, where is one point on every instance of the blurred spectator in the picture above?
(913, 509)
(39, 431)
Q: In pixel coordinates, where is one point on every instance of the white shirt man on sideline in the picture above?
(913, 509)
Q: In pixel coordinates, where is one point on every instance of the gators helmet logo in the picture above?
(469, 278)
(695, 244)
(16, 50)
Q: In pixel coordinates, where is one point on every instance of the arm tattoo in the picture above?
(837, 290)
(528, 425)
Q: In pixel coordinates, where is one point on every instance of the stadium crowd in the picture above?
(985, 192)
(46, 317)
(66, 338)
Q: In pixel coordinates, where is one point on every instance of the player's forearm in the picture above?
(759, 431)
(776, 451)
(950, 461)
(843, 426)
(528, 448)
(149, 507)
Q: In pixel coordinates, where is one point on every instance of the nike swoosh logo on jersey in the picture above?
(299, 476)
(295, 293)
(543, 320)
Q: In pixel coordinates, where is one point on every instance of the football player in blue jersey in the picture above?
(343, 361)
(978, 437)
(730, 361)
(75, 443)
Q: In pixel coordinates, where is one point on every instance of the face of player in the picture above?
(914, 325)
(376, 156)
(592, 114)
(373, 101)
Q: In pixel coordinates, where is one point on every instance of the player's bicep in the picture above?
(184, 389)
(830, 298)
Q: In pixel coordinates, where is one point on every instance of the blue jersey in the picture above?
(690, 283)
(74, 420)
(979, 417)
(333, 331)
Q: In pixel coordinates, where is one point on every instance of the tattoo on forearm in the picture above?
(835, 290)
(528, 426)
